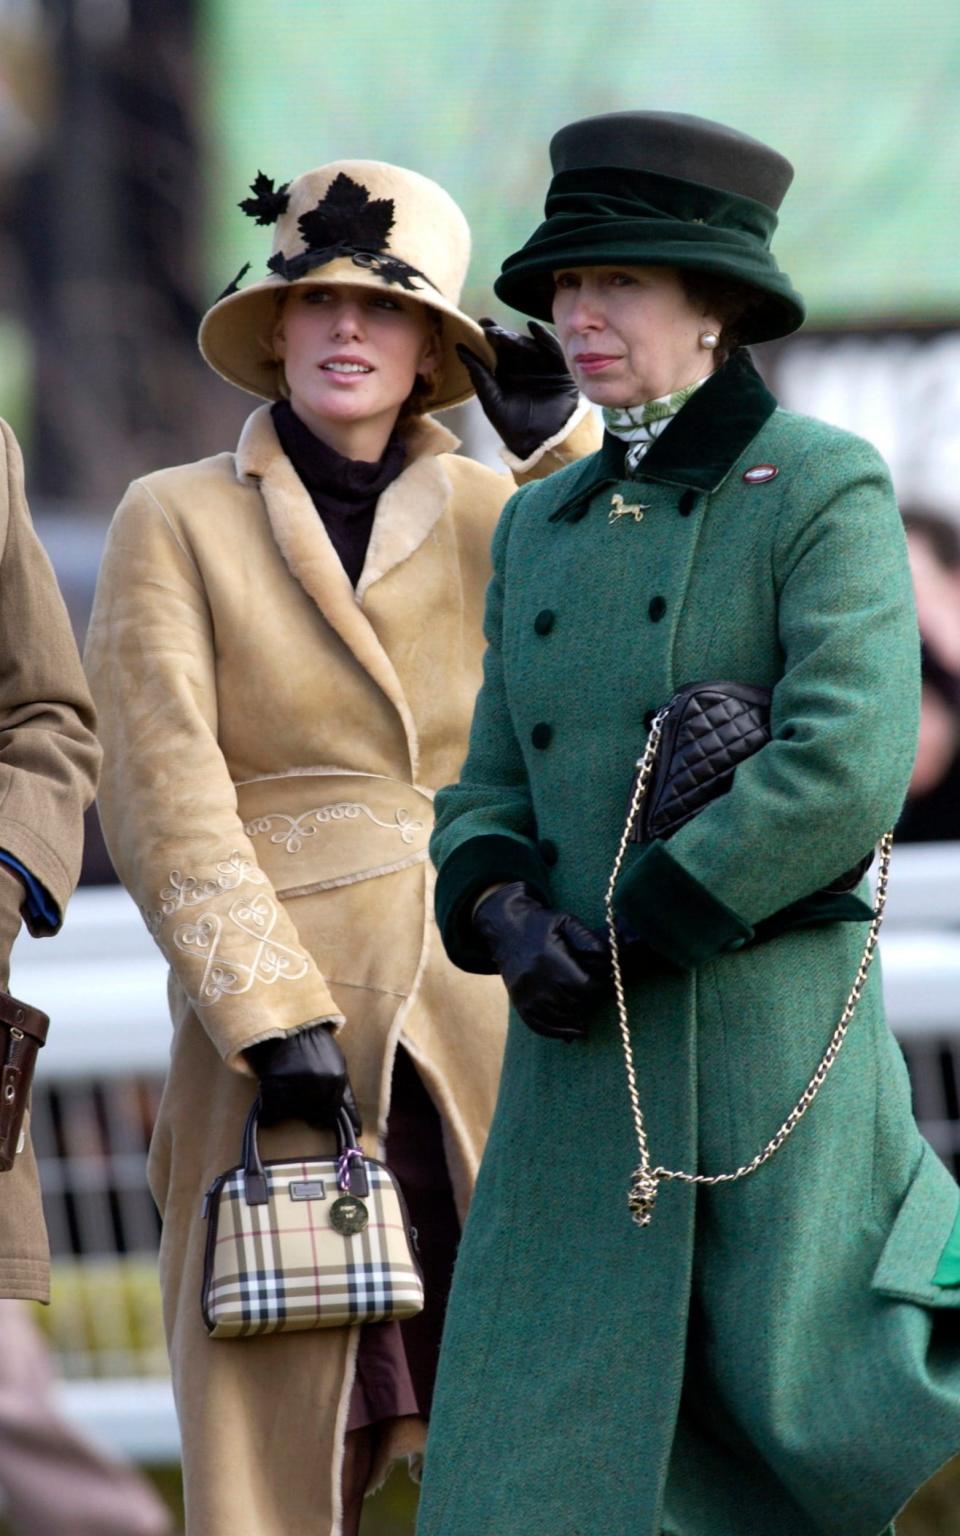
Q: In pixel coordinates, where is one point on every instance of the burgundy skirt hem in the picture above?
(397, 1362)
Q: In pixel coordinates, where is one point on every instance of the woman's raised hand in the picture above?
(552, 965)
(530, 395)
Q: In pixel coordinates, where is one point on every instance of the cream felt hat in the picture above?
(357, 222)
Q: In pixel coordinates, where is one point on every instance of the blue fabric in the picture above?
(41, 907)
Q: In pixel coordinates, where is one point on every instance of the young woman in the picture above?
(780, 1353)
(285, 650)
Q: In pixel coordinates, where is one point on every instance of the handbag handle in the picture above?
(350, 1158)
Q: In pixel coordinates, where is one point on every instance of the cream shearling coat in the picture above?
(273, 742)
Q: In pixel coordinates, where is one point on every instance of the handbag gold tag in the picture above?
(348, 1215)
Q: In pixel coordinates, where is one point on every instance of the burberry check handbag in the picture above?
(314, 1242)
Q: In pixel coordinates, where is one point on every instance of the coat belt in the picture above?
(316, 831)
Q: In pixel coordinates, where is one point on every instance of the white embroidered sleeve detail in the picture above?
(188, 891)
(227, 974)
(293, 830)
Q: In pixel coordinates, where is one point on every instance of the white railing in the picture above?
(103, 982)
(920, 944)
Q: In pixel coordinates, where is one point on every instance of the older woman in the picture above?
(285, 649)
(780, 1353)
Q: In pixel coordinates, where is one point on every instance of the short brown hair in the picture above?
(730, 301)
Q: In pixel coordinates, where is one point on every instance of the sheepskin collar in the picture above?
(406, 512)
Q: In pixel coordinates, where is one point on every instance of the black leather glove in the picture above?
(553, 966)
(531, 394)
(303, 1077)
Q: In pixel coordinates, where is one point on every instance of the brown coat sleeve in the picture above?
(48, 753)
(167, 802)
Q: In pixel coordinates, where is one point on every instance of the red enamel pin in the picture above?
(760, 473)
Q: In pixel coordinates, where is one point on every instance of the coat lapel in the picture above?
(409, 508)
(399, 527)
(704, 440)
(697, 450)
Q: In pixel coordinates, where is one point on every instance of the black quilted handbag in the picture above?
(695, 745)
(706, 730)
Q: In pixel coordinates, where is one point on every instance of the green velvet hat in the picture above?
(660, 189)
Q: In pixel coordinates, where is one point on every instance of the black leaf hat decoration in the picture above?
(232, 287)
(347, 222)
(347, 214)
(268, 202)
(390, 268)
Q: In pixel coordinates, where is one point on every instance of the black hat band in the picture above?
(616, 193)
(575, 243)
(391, 268)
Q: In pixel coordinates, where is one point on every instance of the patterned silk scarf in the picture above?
(641, 425)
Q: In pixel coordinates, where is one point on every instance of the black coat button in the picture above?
(543, 623)
(687, 503)
(649, 718)
(542, 735)
(548, 851)
(657, 609)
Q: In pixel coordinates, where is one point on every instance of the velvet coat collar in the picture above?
(699, 447)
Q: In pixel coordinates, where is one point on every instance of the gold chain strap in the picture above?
(645, 1181)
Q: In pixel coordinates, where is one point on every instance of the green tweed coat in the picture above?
(773, 1358)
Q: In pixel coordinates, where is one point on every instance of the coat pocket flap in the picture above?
(920, 1233)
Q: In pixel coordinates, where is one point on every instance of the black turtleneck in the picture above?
(344, 491)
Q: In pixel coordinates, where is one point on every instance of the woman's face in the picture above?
(351, 357)
(630, 334)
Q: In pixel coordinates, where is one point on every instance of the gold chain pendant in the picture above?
(620, 508)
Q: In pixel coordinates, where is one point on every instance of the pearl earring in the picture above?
(709, 340)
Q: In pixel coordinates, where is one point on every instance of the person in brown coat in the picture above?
(49, 757)
(285, 648)
(48, 768)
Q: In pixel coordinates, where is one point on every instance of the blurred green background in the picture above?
(861, 98)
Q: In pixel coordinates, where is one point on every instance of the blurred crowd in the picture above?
(932, 811)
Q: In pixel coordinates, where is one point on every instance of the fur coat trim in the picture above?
(406, 513)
